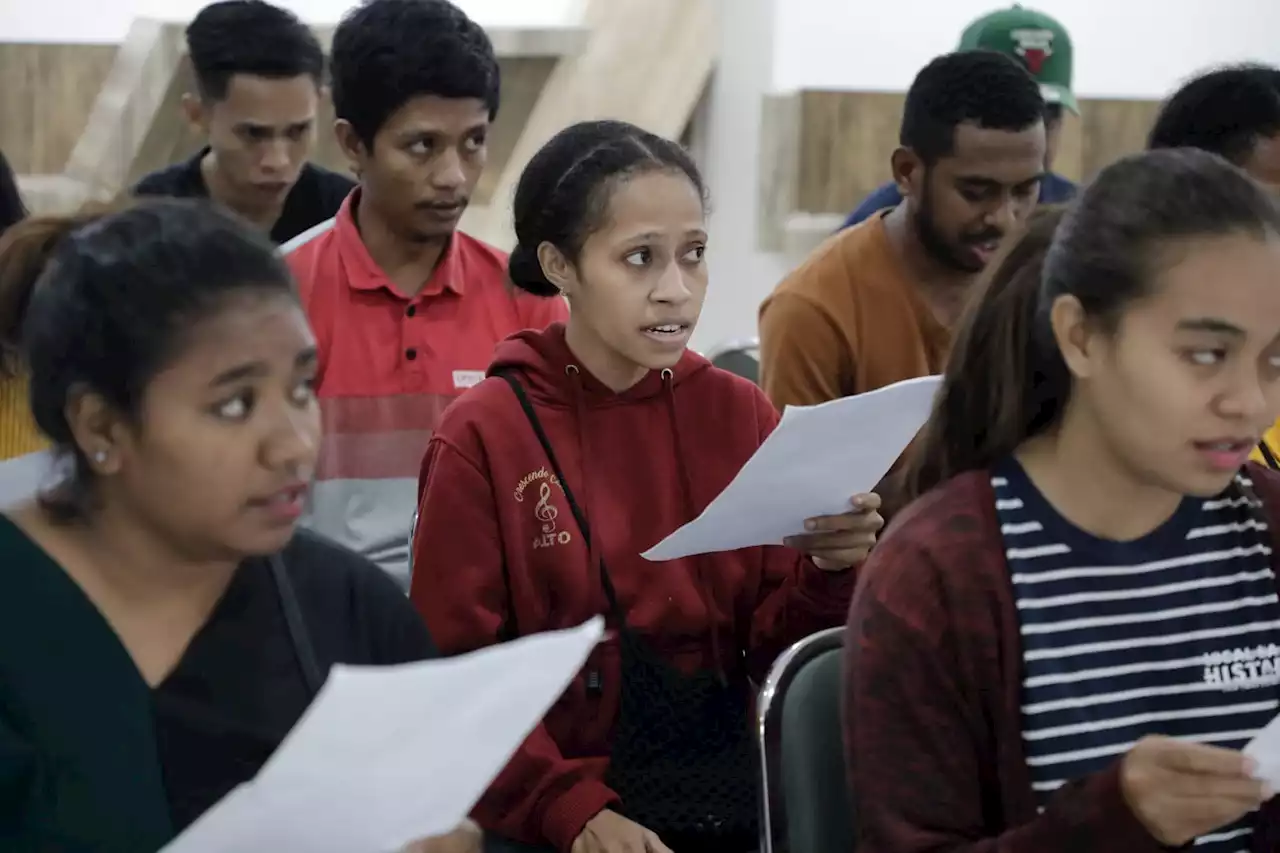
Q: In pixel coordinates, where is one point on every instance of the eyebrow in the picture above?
(258, 127)
(412, 133)
(1215, 325)
(977, 181)
(257, 369)
(650, 236)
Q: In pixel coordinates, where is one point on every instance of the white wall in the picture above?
(741, 276)
(105, 21)
(1123, 48)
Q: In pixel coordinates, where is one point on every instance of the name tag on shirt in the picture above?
(467, 378)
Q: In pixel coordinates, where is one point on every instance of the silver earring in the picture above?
(100, 457)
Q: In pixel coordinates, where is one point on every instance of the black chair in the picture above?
(804, 795)
(741, 356)
(413, 528)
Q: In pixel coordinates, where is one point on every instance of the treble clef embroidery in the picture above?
(544, 511)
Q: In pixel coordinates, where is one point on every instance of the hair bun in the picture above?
(525, 271)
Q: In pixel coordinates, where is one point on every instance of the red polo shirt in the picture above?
(389, 364)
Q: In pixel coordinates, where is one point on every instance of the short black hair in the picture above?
(1225, 111)
(102, 302)
(982, 87)
(12, 209)
(563, 193)
(387, 52)
(250, 37)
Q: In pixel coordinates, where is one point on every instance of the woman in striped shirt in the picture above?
(1067, 640)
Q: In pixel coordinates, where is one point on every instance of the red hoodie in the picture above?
(640, 464)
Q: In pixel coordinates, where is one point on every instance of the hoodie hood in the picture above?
(553, 376)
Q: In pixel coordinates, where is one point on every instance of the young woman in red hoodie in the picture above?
(1066, 641)
(588, 443)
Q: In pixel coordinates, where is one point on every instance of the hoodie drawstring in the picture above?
(686, 487)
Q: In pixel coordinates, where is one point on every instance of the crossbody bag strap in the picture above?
(1270, 457)
(297, 626)
(578, 515)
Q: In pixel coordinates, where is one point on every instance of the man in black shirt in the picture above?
(259, 75)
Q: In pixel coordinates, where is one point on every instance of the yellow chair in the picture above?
(18, 433)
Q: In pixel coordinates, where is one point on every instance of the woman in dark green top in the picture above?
(162, 627)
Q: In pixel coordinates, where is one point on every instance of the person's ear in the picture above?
(558, 269)
(97, 430)
(351, 145)
(1076, 336)
(196, 112)
(908, 172)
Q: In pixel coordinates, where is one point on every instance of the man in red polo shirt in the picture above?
(406, 309)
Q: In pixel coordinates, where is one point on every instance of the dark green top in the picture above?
(92, 760)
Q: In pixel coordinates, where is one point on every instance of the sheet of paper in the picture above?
(1265, 749)
(389, 755)
(816, 459)
(22, 476)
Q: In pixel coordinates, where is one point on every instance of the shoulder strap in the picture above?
(1270, 457)
(298, 633)
(578, 515)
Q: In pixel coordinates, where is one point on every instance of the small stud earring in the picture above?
(100, 457)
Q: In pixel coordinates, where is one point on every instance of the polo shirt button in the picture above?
(411, 353)
(410, 311)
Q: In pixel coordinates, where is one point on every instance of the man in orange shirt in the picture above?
(875, 303)
(406, 309)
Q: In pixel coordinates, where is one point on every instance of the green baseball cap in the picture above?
(1033, 38)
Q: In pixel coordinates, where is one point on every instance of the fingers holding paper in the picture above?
(837, 542)
(467, 838)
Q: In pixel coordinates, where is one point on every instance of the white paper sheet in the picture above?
(389, 755)
(1265, 750)
(816, 459)
(22, 476)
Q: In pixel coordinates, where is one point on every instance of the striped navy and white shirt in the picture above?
(1176, 633)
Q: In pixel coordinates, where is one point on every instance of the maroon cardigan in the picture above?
(933, 726)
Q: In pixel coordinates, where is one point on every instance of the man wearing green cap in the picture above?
(1042, 45)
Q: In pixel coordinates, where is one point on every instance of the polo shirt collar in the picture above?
(363, 272)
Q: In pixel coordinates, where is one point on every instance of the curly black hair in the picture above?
(1225, 111)
(386, 52)
(250, 37)
(983, 87)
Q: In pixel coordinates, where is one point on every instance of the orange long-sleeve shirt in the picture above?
(847, 320)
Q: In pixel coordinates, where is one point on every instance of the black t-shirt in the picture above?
(315, 198)
(215, 720)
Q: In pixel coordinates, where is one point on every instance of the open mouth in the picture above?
(667, 330)
(1226, 454)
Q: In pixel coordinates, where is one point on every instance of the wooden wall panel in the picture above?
(1114, 128)
(49, 90)
(171, 137)
(845, 140)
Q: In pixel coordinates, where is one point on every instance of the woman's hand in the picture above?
(837, 542)
(467, 838)
(1180, 791)
(610, 832)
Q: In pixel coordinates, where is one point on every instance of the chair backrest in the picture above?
(804, 799)
(413, 528)
(740, 356)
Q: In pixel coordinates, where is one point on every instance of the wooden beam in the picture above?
(645, 61)
(136, 123)
(126, 107)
